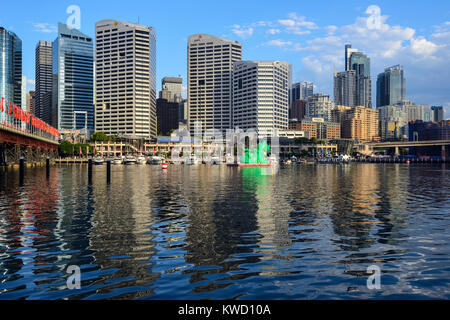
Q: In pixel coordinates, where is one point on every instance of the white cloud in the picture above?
(331, 29)
(242, 32)
(297, 24)
(425, 59)
(278, 43)
(44, 27)
(423, 47)
(273, 31)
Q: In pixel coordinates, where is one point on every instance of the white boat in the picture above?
(141, 160)
(192, 159)
(98, 161)
(130, 160)
(273, 159)
(155, 160)
(229, 159)
(216, 160)
(117, 160)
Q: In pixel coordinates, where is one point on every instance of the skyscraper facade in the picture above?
(320, 106)
(261, 96)
(73, 74)
(301, 91)
(210, 66)
(31, 102)
(44, 80)
(348, 53)
(353, 87)
(438, 113)
(172, 89)
(360, 63)
(298, 110)
(10, 67)
(168, 116)
(391, 86)
(125, 79)
(345, 88)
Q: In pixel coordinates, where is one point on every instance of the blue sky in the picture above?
(309, 34)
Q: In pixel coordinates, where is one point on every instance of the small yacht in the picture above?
(155, 160)
(192, 159)
(216, 160)
(130, 160)
(229, 159)
(98, 161)
(273, 159)
(141, 160)
(117, 160)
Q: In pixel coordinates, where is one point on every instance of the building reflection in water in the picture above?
(220, 226)
(120, 240)
(27, 229)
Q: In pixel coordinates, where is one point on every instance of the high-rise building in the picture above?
(438, 113)
(345, 88)
(261, 96)
(183, 112)
(319, 106)
(353, 87)
(301, 91)
(391, 86)
(44, 80)
(10, 67)
(427, 114)
(210, 66)
(172, 89)
(413, 112)
(31, 102)
(393, 122)
(73, 77)
(298, 110)
(360, 63)
(167, 113)
(348, 53)
(125, 79)
(361, 124)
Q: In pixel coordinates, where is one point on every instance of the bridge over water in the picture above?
(24, 135)
(397, 145)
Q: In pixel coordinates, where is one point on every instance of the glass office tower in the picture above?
(391, 86)
(73, 77)
(10, 67)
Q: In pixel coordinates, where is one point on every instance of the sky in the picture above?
(308, 34)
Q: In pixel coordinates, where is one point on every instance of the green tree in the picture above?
(304, 153)
(313, 140)
(65, 148)
(99, 136)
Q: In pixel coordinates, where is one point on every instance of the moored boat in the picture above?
(130, 160)
(141, 160)
(155, 160)
(98, 161)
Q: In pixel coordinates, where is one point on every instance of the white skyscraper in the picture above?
(261, 95)
(210, 64)
(125, 79)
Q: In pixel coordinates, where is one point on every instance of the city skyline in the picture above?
(309, 39)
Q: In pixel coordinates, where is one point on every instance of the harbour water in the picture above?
(214, 232)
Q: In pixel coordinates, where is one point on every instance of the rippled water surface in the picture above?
(199, 232)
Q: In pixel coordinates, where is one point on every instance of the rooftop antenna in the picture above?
(138, 20)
